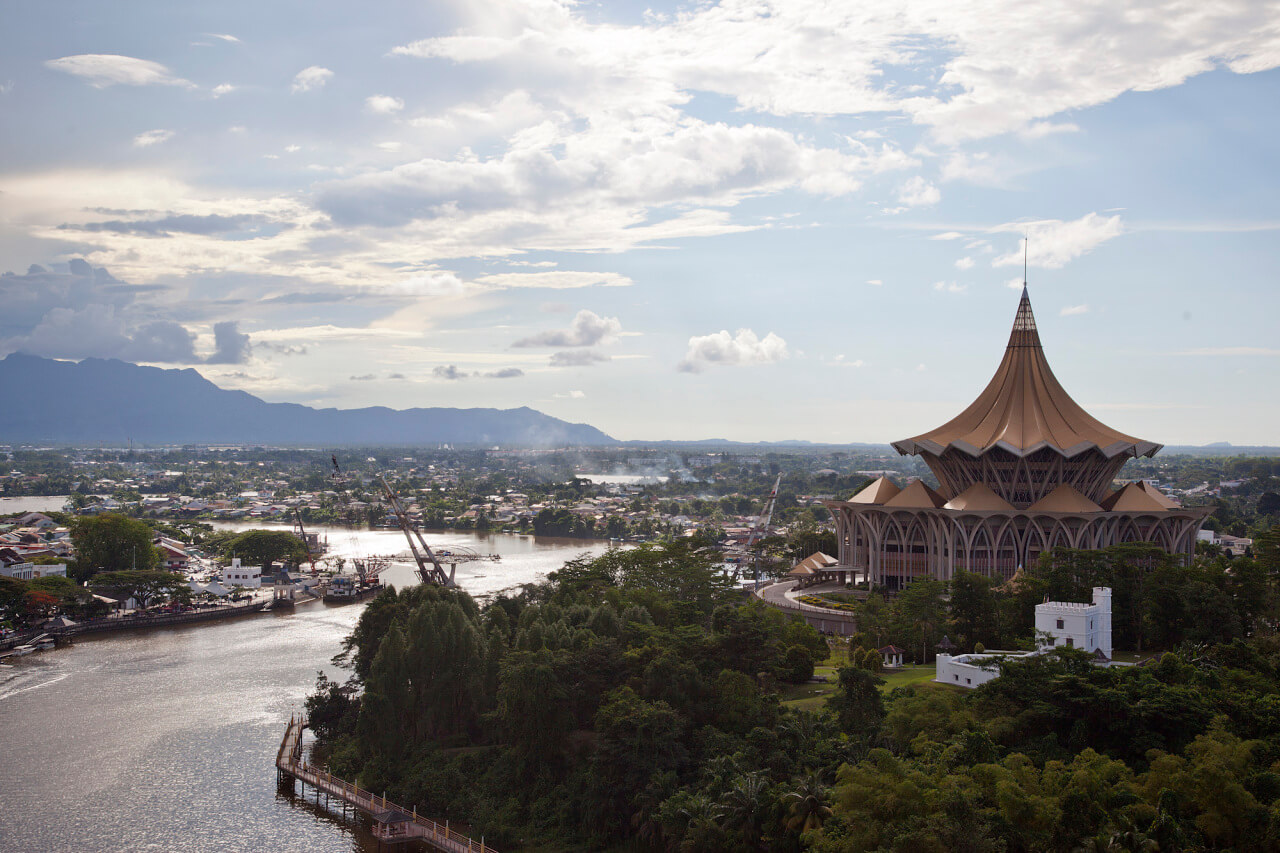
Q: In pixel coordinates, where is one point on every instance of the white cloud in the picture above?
(429, 283)
(152, 137)
(875, 282)
(964, 263)
(108, 69)
(1053, 242)
(223, 89)
(224, 37)
(949, 287)
(587, 329)
(389, 146)
(1072, 310)
(291, 149)
(572, 395)
(554, 279)
(917, 192)
(721, 348)
(947, 235)
(384, 104)
(311, 77)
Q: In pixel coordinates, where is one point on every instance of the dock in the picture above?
(392, 823)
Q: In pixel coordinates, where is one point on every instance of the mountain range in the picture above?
(108, 401)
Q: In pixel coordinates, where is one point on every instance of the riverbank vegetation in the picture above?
(634, 701)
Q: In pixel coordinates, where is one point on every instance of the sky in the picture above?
(747, 220)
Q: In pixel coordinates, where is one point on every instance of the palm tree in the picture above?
(808, 809)
(745, 803)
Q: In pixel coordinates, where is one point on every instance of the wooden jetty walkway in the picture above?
(392, 823)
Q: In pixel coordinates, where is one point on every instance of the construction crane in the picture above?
(301, 533)
(428, 567)
(760, 529)
(368, 567)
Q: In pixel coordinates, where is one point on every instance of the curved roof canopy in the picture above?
(1024, 408)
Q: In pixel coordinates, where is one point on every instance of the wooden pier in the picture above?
(391, 823)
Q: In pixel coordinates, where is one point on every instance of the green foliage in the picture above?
(260, 547)
(111, 542)
(145, 587)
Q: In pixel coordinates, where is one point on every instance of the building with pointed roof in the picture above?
(1021, 471)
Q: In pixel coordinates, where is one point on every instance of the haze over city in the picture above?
(668, 221)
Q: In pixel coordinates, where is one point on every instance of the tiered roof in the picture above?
(1024, 408)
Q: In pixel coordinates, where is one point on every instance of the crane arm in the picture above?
(429, 568)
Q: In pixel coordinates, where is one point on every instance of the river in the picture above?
(166, 740)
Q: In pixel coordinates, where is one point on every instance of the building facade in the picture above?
(1021, 471)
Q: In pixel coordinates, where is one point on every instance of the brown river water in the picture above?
(165, 740)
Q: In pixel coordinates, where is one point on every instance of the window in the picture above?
(1071, 641)
(956, 677)
(968, 681)
(1059, 624)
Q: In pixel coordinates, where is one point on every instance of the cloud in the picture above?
(964, 263)
(223, 89)
(224, 37)
(383, 104)
(947, 235)
(448, 371)
(230, 346)
(1072, 310)
(429, 283)
(554, 279)
(577, 358)
(586, 330)
(917, 192)
(175, 223)
(76, 311)
(309, 78)
(504, 373)
(1053, 243)
(950, 287)
(106, 69)
(152, 137)
(721, 348)
(367, 377)
(572, 395)
(875, 282)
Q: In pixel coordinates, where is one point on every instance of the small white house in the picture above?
(249, 577)
(970, 671)
(1070, 623)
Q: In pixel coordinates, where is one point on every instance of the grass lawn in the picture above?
(812, 696)
(908, 675)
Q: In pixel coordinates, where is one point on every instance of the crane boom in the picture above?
(428, 567)
(762, 528)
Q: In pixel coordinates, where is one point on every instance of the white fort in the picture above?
(1061, 624)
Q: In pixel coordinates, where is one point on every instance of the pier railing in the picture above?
(392, 822)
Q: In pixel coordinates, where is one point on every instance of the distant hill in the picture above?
(111, 401)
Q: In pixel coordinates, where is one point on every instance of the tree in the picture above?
(856, 702)
(263, 547)
(142, 586)
(112, 542)
(808, 803)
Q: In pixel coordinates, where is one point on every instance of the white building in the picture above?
(1058, 623)
(1070, 623)
(249, 577)
(31, 571)
(970, 671)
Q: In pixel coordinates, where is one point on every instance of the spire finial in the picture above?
(1026, 245)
